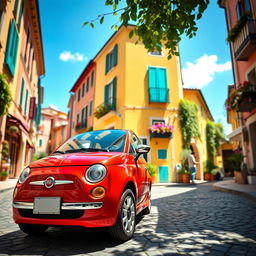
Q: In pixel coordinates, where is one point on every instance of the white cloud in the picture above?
(68, 56)
(201, 73)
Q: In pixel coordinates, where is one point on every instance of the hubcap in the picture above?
(128, 214)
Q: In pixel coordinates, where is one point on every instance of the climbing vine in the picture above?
(5, 95)
(214, 134)
(188, 121)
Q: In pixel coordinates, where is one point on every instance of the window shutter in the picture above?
(114, 94)
(152, 84)
(238, 11)
(90, 108)
(12, 47)
(15, 8)
(106, 94)
(115, 54)
(21, 12)
(26, 102)
(32, 108)
(107, 64)
(161, 77)
(21, 92)
(247, 5)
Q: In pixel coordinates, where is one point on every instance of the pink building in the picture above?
(81, 103)
(241, 22)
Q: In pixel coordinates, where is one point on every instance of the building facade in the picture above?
(22, 61)
(136, 90)
(241, 23)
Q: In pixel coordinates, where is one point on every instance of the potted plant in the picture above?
(4, 175)
(236, 161)
(184, 172)
(5, 161)
(102, 110)
(161, 130)
(185, 175)
(251, 176)
(213, 174)
(152, 171)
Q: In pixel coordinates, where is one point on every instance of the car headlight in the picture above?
(24, 175)
(96, 173)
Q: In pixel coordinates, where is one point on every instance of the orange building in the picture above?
(22, 61)
(81, 103)
(241, 105)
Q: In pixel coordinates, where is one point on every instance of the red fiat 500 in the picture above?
(95, 179)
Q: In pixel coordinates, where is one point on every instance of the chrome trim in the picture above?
(57, 182)
(64, 206)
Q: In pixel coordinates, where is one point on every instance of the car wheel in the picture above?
(147, 210)
(125, 224)
(32, 229)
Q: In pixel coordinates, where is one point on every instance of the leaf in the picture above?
(115, 27)
(131, 34)
(92, 25)
(85, 23)
(101, 19)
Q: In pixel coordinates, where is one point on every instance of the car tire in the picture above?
(147, 210)
(126, 220)
(32, 229)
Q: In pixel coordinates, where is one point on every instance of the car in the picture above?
(94, 179)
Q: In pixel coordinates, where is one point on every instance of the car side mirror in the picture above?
(141, 149)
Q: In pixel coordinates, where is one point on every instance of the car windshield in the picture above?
(95, 141)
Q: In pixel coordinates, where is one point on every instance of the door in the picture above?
(163, 174)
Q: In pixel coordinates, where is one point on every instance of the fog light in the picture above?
(98, 192)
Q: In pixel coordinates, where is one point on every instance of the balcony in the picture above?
(159, 95)
(245, 41)
(106, 107)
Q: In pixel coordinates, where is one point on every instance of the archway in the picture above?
(194, 148)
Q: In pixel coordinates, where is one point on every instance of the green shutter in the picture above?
(114, 94)
(12, 47)
(107, 64)
(21, 12)
(15, 8)
(152, 84)
(21, 92)
(26, 102)
(115, 54)
(106, 94)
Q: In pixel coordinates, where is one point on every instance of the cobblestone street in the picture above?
(185, 220)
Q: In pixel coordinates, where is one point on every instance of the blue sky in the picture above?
(68, 46)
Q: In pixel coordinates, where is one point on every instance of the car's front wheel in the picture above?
(32, 229)
(126, 220)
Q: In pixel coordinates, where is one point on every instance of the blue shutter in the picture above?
(114, 94)
(106, 94)
(152, 84)
(162, 153)
(21, 12)
(26, 102)
(238, 11)
(115, 54)
(107, 64)
(12, 47)
(162, 85)
(21, 92)
(247, 5)
(15, 8)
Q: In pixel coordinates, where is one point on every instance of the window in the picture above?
(27, 45)
(157, 85)
(40, 142)
(134, 144)
(2, 13)
(111, 59)
(157, 52)
(83, 90)
(162, 153)
(144, 141)
(21, 12)
(90, 113)
(12, 47)
(242, 8)
(87, 84)
(110, 94)
(78, 96)
(15, 8)
(82, 116)
(26, 102)
(158, 121)
(77, 118)
(92, 78)
(21, 92)
(86, 115)
(238, 10)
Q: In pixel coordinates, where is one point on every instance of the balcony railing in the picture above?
(105, 107)
(158, 95)
(245, 42)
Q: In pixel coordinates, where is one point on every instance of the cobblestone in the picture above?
(185, 220)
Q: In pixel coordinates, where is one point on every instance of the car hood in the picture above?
(89, 158)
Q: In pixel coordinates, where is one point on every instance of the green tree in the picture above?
(158, 21)
(5, 95)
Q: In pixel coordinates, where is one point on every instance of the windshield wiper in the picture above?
(86, 150)
(58, 152)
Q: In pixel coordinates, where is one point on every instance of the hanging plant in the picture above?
(5, 95)
(13, 129)
(188, 121)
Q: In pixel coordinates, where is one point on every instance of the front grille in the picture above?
(64, 214)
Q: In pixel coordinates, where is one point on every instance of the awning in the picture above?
(235, 135)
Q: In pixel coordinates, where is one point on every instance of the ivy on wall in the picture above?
(188, 121)
(214, 134)
(5, 95)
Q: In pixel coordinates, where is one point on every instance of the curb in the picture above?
(235, 192)
(6, 189)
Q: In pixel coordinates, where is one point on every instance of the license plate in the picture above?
(47, 205)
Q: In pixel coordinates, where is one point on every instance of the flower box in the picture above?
(160, 135)
(161, 131)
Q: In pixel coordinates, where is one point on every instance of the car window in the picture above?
(134, 144)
